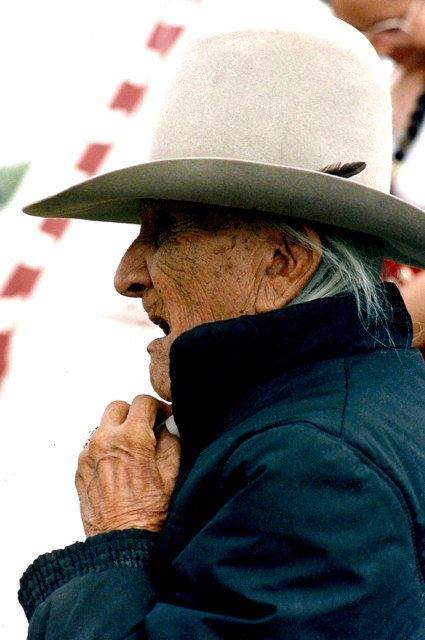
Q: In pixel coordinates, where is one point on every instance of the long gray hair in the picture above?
(352, 262)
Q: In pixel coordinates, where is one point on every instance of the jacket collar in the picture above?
(214, 365)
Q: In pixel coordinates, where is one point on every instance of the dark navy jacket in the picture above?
(300, 509)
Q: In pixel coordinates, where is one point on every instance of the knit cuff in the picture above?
(130, 548)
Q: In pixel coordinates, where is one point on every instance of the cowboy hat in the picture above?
(251, 119)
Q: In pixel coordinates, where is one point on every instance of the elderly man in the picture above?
(291, 506)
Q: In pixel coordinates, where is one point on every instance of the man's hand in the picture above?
(126, 473)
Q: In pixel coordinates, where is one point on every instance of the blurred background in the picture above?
(81, 84)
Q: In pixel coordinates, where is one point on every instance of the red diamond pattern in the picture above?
(54, 227)
(163, 37)
(5, 338)
(128, 97)
(21, 282)
(93, 157)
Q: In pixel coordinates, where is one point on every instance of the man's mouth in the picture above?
(161, 323)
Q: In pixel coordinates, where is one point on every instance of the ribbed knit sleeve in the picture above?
(131, 549)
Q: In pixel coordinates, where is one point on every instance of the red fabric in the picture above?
(21, 282)
(55, 227)
(163, 37)
(392, 270)
(5, 338)
(128, 97)
(93, 157)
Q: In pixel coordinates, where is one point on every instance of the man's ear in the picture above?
(288, 268)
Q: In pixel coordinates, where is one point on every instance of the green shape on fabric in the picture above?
(10, 179)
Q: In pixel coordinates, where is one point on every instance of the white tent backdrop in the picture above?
(76, 345)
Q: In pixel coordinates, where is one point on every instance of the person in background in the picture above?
(396, 28)
(292, 504)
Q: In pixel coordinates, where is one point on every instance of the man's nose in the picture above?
(132, 276)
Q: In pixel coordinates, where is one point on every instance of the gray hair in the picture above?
(352, 262)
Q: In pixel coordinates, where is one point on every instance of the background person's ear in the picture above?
(289, 268)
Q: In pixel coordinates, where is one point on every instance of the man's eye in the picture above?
(164, 225)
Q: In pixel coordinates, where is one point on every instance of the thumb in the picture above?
(168, 452)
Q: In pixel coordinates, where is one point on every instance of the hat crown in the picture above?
(305, 97)
(250, 120)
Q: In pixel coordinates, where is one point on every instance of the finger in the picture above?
(164, 412)
(137, 431)
(168, 454)
(115, 413)
(142, 414)
(114, 416)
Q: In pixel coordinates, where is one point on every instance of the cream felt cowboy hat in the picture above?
(251, 119)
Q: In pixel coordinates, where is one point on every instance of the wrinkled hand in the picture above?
(126, 473)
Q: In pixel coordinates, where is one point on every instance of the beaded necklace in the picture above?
(412, 130)
(395, 272)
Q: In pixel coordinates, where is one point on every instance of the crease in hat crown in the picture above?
(250, 119)
(259, 95)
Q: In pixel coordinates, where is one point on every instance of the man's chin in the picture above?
(159, 368)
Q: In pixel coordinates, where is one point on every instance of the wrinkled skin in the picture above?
(186, 273)
(126, 474)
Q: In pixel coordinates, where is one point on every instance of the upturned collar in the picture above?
(215, 365)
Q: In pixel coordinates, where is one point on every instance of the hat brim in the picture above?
(299, 193)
